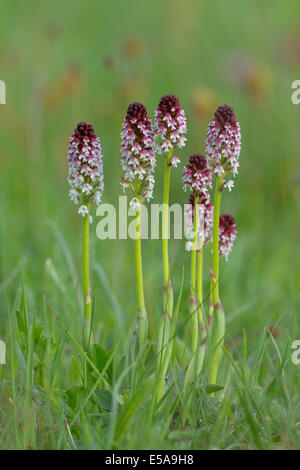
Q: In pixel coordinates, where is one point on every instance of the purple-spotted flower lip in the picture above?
(223, 144)
(170, 127)
(138, 153)
(227, 234)
(85, 175)
(197, 176)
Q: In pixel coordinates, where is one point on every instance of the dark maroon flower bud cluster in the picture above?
(225, 114)
(136, 113)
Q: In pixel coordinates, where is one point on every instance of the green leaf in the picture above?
(20, 322)
(41, 346)
(212, 388)
(75, 395)
(104, 398)
(99, 357)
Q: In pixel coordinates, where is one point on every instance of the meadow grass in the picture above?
(62, 64)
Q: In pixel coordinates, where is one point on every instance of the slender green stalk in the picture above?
(86, 281)
(218, 323)
(168, 291)
(214, 287)
(164, 342)
(217, 340)
(29, 413)
(193, 301)
(200, 283)
(198, 352)
(142, 315)
(215, 264)
(13, 370)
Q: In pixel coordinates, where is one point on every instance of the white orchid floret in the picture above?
(83, 210)
(175, 161)
(135, 203)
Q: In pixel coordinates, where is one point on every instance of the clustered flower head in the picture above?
(197, 176)
(227, 234)
(205, 222)
(170, 126)
(138, 153)
(223, 144)
(85, 168)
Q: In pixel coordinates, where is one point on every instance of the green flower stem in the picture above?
(164, 343)
(198, 352)
(215, 263)
(193, 301)
(86, 281)
(218, 323)
(168, 291)
(200, 283)
(217, 339)
(142, 315)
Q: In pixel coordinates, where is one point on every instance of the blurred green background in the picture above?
(69, 61)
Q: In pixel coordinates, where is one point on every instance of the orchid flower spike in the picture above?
(85, 168)
(223, 144)
(197, 176)
(138, 154)
(227, 234)
(170, 127)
